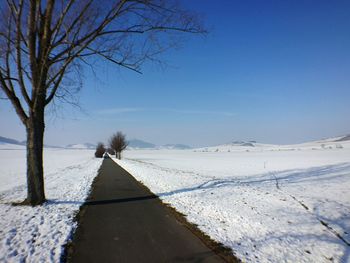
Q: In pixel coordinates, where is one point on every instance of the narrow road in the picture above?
(124, 222)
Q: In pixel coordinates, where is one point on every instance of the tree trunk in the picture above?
(35, 171)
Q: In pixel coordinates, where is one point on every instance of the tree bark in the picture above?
(35, 171)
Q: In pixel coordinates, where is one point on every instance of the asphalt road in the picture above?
(124, 222)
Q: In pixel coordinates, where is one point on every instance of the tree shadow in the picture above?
(321, 173)
(120, 200)
(287, 176)
(339, 225)
(309, 238)
(102, 202)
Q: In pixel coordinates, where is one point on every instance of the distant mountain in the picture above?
(81, 146)
(243, 143)
(176, 146)
(9, 141)
(4, 140)
(139, 144)
(344, 138)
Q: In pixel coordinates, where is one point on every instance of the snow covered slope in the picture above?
(139, 144)
(4, 140)
(270, 204)
(337, 142)
(10, 146)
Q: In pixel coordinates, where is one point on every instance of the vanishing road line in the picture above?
(124, 222)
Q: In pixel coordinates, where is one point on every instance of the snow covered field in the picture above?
(37, 234)
(268, 203)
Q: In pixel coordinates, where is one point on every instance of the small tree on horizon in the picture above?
(111, 151)
(118, 143)
(100, 150)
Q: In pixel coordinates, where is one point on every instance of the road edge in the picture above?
(68, 247)
(218, 248)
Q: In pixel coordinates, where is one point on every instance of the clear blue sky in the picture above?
(272, 71)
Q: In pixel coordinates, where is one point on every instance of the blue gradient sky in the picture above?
(271, 71)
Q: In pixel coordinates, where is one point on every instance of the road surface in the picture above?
(124, 222)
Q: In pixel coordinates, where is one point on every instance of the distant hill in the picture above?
(139, 144)
(10, 141)
(243, 143)
(345, 138)
(4, 140)
(176, 146)
(81, 146)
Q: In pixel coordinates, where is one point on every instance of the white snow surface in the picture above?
(9, 146)
(37, 234)
(269, 204)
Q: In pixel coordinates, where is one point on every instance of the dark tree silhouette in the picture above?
(44, 45)
(100, 150)
(118, 143)
(111, 151)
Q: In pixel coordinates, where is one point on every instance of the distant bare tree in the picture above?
(100, 150)
(111, 151)
(118, 143)
(44, 45)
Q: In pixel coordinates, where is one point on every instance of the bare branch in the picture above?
(19, 54)
(14, 100)
(44, 45)
(49, 38)
(119, 63)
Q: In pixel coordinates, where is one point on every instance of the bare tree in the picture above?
(111, 151)
(100, 150)
(44, 45)
(118, 143)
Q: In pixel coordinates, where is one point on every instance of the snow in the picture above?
(268, 203)
(253, 146)
(37, 234)
(9, 146)
(272, 203)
